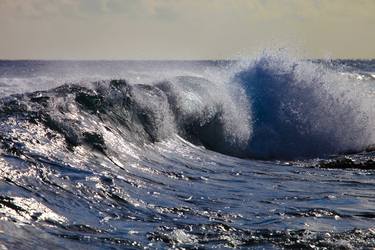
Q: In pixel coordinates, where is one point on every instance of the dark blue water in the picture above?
(195, 155)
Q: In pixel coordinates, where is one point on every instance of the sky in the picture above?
(184, 29)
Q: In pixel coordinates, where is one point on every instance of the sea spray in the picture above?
(305, 109)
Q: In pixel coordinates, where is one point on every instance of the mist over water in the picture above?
(193, 154)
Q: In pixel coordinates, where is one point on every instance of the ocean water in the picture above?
(269, 152)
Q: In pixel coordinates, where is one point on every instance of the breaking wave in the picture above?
(306, 109)
(273, 107)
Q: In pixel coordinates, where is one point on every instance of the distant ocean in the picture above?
(270, 152)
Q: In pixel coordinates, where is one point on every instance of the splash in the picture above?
(305, 109)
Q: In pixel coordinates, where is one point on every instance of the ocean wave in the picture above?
(272, 107)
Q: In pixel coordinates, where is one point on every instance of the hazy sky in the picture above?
(184, 29)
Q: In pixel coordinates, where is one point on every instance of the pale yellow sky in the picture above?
(184, 29)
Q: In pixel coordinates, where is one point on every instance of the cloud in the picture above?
(37, 8)
(132, 9)
(174, 8)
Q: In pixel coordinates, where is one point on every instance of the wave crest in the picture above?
(304, 109)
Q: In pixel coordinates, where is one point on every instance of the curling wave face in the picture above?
(191, 107)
